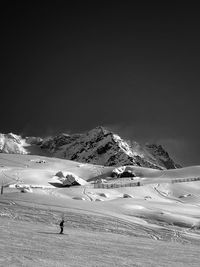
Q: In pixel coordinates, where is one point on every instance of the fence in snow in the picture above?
(134, 184)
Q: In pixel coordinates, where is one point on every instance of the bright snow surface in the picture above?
(159, 209)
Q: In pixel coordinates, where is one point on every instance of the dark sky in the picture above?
(132, 68)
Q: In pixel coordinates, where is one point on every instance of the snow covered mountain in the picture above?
(12, 143)
(102, 147)
(15, 144)
(97, 146)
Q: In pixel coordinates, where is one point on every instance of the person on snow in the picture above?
(62, 226)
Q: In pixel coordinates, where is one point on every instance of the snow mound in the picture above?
(185, 195)
(78, 198)
(24, 188)
(127, 196)
(103, 195)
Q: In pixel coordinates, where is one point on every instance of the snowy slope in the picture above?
(158, 210)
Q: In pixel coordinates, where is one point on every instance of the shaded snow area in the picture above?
(114, 216)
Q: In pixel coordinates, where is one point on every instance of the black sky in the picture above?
(132, 68)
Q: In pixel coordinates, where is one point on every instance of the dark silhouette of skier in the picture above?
(62, 226)
(2, 190)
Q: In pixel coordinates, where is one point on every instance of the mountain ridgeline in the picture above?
(97, 146)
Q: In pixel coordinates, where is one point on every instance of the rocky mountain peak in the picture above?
(97, 133)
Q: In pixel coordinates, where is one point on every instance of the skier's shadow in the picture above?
(50, 233)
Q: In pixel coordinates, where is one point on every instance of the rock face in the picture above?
(98, 146)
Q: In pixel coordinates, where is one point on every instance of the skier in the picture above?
(62, 226)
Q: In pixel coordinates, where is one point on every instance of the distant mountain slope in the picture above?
(15, 144)
(97, 146)
(162, 157)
